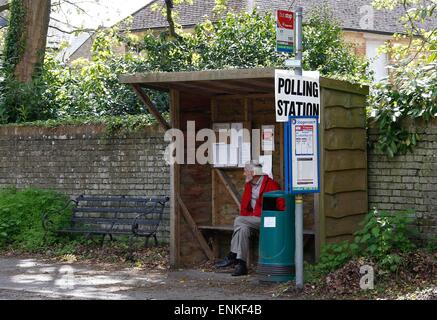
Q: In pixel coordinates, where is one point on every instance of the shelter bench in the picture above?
(215, 230)
(112, 216)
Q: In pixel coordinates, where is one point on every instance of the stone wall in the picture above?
(78, 160)
(407, 182)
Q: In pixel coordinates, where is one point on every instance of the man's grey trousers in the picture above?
(244, 227)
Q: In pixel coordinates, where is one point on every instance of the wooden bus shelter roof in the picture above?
(223, 82)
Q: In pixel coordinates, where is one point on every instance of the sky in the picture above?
(95, 13)
(100, 12)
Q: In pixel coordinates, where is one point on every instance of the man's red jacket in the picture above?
(268, 185)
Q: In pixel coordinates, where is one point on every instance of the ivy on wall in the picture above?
(21, 101)
(14, 43)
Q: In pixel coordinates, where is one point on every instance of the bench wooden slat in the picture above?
(230, 228)
(113, 210)
(100, 232)
(122, 199)
(115, 221)
(217, 228)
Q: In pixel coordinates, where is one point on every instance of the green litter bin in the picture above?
(277, 239)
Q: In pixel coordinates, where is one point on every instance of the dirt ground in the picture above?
(95, 273)
(27, 278)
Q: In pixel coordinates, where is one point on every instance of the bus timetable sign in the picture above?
(305, 155)
(285, 31)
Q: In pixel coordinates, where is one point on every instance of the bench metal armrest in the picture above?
(135, 224)
(155, 210)
(46, 216)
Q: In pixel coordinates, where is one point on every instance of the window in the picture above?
(378, 61)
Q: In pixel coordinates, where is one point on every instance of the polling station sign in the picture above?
(285, 31)
(296, 96)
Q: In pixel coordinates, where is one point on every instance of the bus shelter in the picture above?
(205, 199)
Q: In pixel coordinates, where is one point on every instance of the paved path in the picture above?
(33, 279)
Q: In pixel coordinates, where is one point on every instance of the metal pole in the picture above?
(299, 241)
(299, 198)
(299, 33)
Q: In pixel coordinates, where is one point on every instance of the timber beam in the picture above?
(230, 187)
(151, 106)
(195, 229)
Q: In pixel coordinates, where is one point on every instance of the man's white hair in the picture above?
(255, 167)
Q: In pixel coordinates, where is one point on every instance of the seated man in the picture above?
(250, 216)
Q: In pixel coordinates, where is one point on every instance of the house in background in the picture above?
(366, 28)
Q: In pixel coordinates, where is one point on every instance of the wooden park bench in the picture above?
(112, 216)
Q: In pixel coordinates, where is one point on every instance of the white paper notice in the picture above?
(269, 222)
(233, 155)
(246, 154)
(236, 144)
(268, 138)
(304, 140)
(267, 163)
(305, 171)
(221, 154)
(236, 134)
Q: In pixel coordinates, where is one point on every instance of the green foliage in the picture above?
(431, 244)
(21, 102)
(411, 95)
(244, 40)
(332, 257)
(128, 124)
(326, 51)
(114, 125)
(91, 89)
(411, 90)
(236, 41)
(383, 237)
(248, 40)
(220, 6)
(11, 91)
(20, 217)
(84, 90)
(14, 43)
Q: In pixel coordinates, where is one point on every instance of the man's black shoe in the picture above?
(229, 260)
(240, 270)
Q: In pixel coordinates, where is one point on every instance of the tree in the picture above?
(32, 37)
(23, 59)
(238, 40)
(27, 39)
(170, 19)
(4, 5)
(247, 40)
(171, 14)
